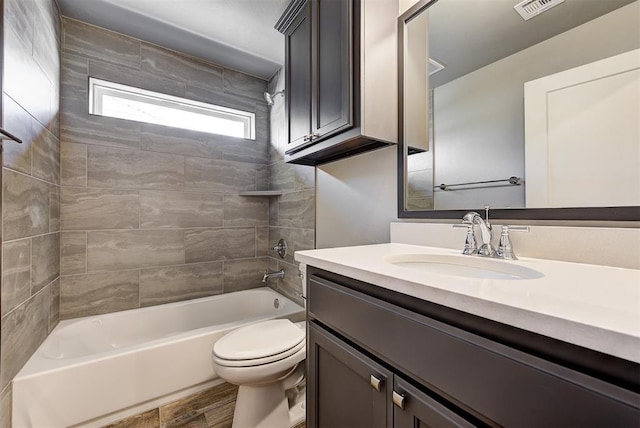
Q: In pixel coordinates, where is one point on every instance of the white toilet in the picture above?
(264, 360)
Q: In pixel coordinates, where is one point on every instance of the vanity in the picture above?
(522, 343)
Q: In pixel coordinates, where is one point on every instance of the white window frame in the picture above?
(99, 88)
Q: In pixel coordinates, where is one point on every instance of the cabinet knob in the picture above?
(398, 399)
(376, 383)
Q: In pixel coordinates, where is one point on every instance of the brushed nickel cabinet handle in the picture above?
(398, 400)
(376, 383)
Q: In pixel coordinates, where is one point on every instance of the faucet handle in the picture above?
(505, 248)
(470, 245)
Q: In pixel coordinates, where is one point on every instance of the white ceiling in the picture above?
(238, 34)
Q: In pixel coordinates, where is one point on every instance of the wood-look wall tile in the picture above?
(46, 45)
(263, 128)
(73, 252)
(93, 209)
(180, 209)
(172, 284)
(297, 209)
(137, 79)
(219, 176)
(19, 68)
(211, 399)
(98, 293)
(243, 211)
(45, 260)
(205, 245)
(54, 304)
(23, 330)
(16, 274)
(241, 84)
(150, 419)
(18, 122)
(244, 274)
(164, 139)
(244, 150)
(26, 206)
(54, 208)
(78, 126)
(262, 177)
(74, 74)
(133, 249)
(273, 211)
(45, 155)
(73, 164)
(262, 242)
(291, 284)
(5, 407)
(177, 67)
(18, 14)
(290, 177)
(100, 44)
(134, 169)
(297, 240)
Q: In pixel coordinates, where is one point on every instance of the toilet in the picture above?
(264, 359)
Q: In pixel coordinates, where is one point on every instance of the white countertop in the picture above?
(596, 307)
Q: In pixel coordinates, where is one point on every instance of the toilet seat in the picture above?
(257, 344)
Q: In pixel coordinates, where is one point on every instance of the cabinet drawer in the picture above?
(486, 378)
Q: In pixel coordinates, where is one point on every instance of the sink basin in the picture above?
(463, 266)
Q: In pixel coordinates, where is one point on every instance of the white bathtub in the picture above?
(94, 366)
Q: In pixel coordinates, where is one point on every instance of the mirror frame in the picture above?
(621, 213)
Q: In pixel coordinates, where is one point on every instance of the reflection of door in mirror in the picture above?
(591, 155)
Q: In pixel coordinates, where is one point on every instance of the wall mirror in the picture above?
(533, 112)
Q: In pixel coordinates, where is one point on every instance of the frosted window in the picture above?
(130, 103)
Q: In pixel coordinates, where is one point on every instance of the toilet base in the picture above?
(261, 406)
(266, 405)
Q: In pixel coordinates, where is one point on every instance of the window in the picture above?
(130, 103)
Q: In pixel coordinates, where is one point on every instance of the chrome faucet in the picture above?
(472, 218)
(268, 275)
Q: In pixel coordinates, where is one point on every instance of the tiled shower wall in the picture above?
(151, 214)
(292, 215)
(30, 209)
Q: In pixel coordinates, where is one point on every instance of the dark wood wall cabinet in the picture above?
(340, 78)
(376, 363)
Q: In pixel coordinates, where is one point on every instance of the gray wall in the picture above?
(292, 215)
(356, 199)
(151, 214)
(30, 211)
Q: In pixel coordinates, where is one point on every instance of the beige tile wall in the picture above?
(30, 185)
(151, 214)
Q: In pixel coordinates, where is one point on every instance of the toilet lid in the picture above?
(260, 340)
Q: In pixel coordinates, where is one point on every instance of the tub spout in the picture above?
(268, 275)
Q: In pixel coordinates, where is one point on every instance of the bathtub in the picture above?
(99, 365)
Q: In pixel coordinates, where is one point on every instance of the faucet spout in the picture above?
(268, 275)
(473, 218)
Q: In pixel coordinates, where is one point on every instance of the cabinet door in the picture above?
(298, 77)
(344, 387)
(332, 75)
(415, 409)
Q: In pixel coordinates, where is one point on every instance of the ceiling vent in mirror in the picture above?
(531, 8)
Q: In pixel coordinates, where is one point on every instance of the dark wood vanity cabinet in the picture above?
(324, 90)
(376, 361)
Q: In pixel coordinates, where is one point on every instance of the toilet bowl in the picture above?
(264, 360)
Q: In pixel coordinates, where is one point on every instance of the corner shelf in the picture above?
(261, 193)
